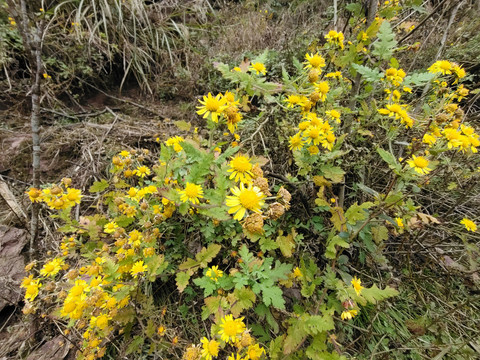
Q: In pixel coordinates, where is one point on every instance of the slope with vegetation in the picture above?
(310, 191)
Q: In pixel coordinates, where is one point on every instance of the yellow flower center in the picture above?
(32, 289)
(258, 67)
(420, 162)
(317, 61)
(445, 65)
(314, 133)
(76, 290)
(212, 104)
(395, 108)
(213, 348)
(49, 268)
(230, 328)
(295, 141)
(102, 322)
(391, 72)
(330, 138)
(323, 87)
(191, 190)
(69, 307)
(241, 164)
(249, 199)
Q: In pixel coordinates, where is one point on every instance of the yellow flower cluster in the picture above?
(448, 127)
(445, 67)
(223, 106)
(91, 295)
(57, 197)
(231, 335)
(130, 162)
(314, 131)
(249, 197)
(398, 111)
(335, 38)
(175, 142)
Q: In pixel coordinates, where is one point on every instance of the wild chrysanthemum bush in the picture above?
(202, 210)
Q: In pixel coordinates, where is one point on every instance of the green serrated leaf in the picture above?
(219, 213)
(331, 250)
(124, 221)
(418, 79)
(273, 295)
(357, 212)
(182, 125)
(279, 272)
(207, 284)
(388, 158)
(182, 280)
(368, 74)
(374, 294)
(135, 345)
(286, 244)
(98, 186)
(317, 324)
(386, 43)
(333, 173)
(379, 233)
(295, 335)
(206, 255)
(244, 299)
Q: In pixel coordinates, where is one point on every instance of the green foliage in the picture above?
(386, 43)
(201, 211)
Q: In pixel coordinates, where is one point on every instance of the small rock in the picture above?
(12, 264)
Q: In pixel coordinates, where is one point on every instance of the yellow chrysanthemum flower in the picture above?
(31, 288)
(429, 139)
(314, 61)
(322, 89)
(329, 140)
(240, 168)
(399, 222)
(74, 195)
(335, 38)
(142, 171)
(258, 68)
(442, 66)
(138, 268)
(243, 199)
(469, 224)
(209, 348)
(313, 150)
(357, 285)
(312, 134)
(191, 193)
(214, 273)
(230, 328)
(52, 267)
(420, 164)
(293, 100)
(296, 142)
(255, 352)
(101, 321)
(212, 106)
(399, 112)
(110, 227)
(349, 314)
(334, 114)
(35, 195)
